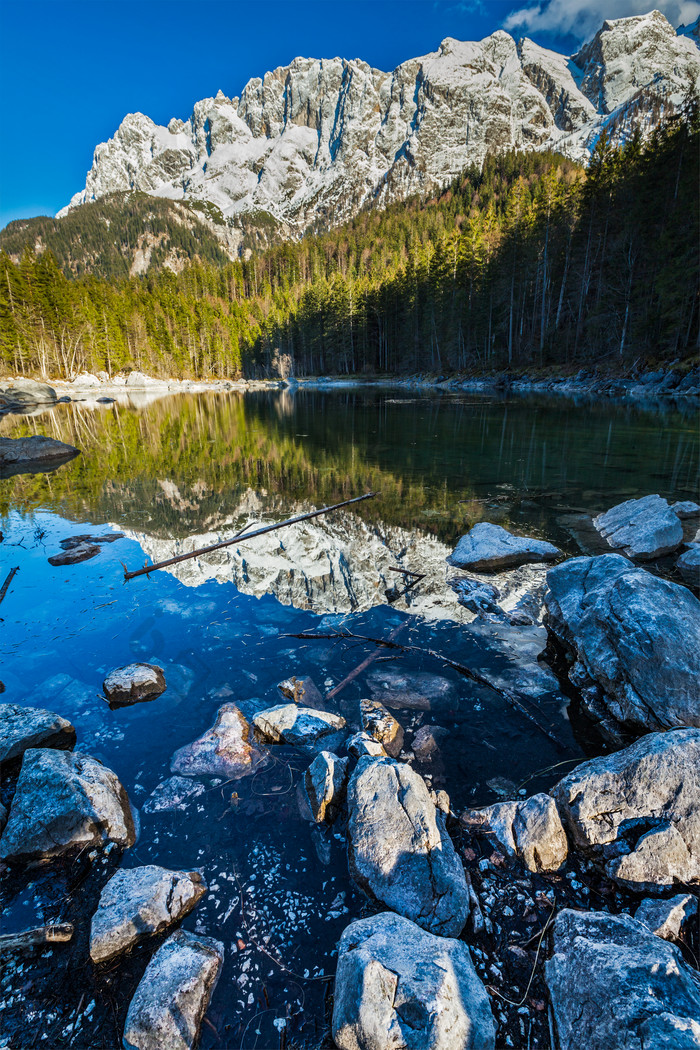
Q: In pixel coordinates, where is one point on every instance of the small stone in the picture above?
(363, 744)
(325, 781)
(666, 918)
(225, 750)
(139, 903)
(134, 683)
(29, 727)
(381, 726)
(688, 565)
(426, 742)
(685, 509)
(289, 724)
(170, 1002)
(490, 548)
(530, 831)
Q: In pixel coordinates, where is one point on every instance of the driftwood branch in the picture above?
(365, 664)
(243, 536)
(56, 934)
(480, 679)
(8, 581)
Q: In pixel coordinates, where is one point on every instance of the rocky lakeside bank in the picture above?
(564, 918)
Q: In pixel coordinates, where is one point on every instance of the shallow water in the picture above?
(179, 472)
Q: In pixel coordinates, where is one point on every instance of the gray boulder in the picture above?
(397, 986)
(489, 548)
(29, 727)
(378, 723)
(635, 640)
(174, 994)
(65, 801)
(325, 782)
(224, 750)
(134, 683)
(688, 565)
(667, 918)
(641, 528)
(24, 393)
(138, 903)
(530, 831)
(289, 724)
(360, 744)
(35, 451)
(399, 851)
(686, 509)
(613, 984)
(637, 812)
(417, 692)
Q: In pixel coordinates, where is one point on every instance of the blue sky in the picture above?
(71, 69)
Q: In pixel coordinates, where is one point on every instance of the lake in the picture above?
(176, 473)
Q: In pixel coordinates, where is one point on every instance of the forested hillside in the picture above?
(531, 261)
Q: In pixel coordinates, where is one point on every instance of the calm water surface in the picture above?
(180, 471)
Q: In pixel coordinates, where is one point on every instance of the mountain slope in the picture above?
(313, 142)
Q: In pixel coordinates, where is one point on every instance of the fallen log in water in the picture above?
(243, 536)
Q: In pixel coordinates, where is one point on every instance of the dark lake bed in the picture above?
(180, 472)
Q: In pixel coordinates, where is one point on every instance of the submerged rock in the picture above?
(426, 742)
(64, 801)
(635, 639)
(224, 750)
(134, 683)
(175, 793)
(399, 851)
(138, 903)
(381, 726)
(666, 918)
(637, 812)
(614, 984)
(289, 724)
(529, 830)
(301, 691)
(641, 528)
(489, 548)
(325, 782)
(398, 986)
(74, 555)
(173, 996)
(417, 692)
(29, 727)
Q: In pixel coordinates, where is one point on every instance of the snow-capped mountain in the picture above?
(314, 141)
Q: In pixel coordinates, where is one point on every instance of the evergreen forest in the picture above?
(533, 262)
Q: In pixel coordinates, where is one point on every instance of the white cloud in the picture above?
(583, 18)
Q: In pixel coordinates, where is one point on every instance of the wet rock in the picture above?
(64, 801)
(29, 727)
(666, 918)
(224, 750)
(637, 812)
(3, 817)
(529, 830)
(426, 742)
(173, 996)
(27, 392)
(363, 744)
(301, 691)
(134, 683)
(74, 555)
(417, 692)
(476, 595)
(325, 781)
(635, 639)
(641, 528)
(489, 548)
(399, 851)
(685, 509)
(398, 986)
(612, 983)
(175, 793)
(138, 903)
(381, 726)
(32, 452)
(688, 565)
(289, 724)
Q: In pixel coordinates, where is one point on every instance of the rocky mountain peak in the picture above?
(316, 140)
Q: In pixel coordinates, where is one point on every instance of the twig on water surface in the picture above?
(462, 668)
(8, 581)
(365, 664)
(241, 536)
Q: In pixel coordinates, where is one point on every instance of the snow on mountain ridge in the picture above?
(314, 141)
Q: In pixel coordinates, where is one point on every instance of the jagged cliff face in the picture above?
(314, 141)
